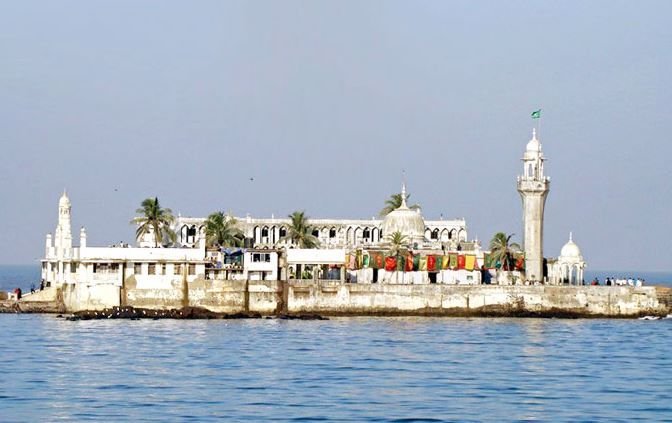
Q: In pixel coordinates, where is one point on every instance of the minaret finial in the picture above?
(570, 236)
(534, 133)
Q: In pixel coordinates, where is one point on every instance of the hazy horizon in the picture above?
(325, 103)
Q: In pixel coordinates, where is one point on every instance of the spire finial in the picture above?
(534, 133)
(570, 236)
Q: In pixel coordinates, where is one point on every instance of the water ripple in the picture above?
(346, 369)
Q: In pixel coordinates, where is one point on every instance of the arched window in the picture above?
(191, 235)
(332, 233)
(264, 231)
(435, 234)
(530, 170)
(315, 233)
(283, 232)
(366, 234)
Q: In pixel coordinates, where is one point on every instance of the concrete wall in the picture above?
(441, 299)
(215, 295)
(76, 297)
(333, 298)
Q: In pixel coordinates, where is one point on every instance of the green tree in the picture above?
(397, 243)
(222, 229)
(154, 219)
(299, 231)
(502, 250)
(393, 203)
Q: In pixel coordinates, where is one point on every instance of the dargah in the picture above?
(400, 248)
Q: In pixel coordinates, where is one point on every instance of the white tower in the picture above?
(533, 187)
(63, 234)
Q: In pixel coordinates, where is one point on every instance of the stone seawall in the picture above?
(353, 299)
(335, 298)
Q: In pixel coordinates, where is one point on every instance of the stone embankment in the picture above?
(250, 299)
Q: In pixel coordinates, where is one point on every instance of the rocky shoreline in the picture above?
(187, 313)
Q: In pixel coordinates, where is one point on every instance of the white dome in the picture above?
(534, 146)
(404, 220)
(571, 250)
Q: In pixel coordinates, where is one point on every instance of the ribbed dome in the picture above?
(404, 220)
(571, 250)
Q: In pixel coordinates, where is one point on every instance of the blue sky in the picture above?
(325, 102)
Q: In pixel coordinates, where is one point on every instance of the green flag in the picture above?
(536, 114)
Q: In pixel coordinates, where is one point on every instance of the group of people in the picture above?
(612, 281)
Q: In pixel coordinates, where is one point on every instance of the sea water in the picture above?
(344, 369)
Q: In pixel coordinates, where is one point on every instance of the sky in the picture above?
(325, 103)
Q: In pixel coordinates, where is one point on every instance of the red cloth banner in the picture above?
(431, 263)
(390, 264)
(461, 261)
(409, 262)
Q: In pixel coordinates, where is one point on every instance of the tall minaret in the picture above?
(533, 187)
(63, 234)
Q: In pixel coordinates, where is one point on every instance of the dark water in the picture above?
(349, 369)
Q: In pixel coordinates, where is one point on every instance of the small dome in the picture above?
(404, 220)
(534, 146)
(571, 250)
(64, 201)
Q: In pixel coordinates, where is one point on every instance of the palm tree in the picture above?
(397, 243)
(221, 229)
(154, 219)
(393, 203)
(299, 231)
(501, 250)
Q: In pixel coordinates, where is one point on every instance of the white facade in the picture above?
(339, 233)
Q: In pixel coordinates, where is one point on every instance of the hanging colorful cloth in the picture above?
(487, 261)
(520, 262)
(439, 262)
(453, 261)
(445, 262)
(469, 262)
(366, 260)
(416, 262)
(461, 261)
(376, 261)
(423, 263)
(409, 262)
(431, 263)
(352, 263)
(401, 263)
(390, 264)
(359, 261)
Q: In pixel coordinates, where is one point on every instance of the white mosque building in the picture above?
(436, 251)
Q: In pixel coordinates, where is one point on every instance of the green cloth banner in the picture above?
(401, 263)
(536, 114)
(453, 261)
